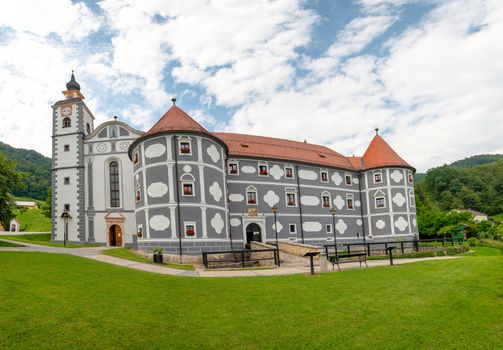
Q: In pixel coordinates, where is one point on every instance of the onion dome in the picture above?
(72, 84)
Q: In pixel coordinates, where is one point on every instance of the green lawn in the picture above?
(56, 301)
(8, 244)
(44, 239)
(125, 253)
(33, 220)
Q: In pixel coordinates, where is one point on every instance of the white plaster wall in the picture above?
(64, 159)
(67, 194)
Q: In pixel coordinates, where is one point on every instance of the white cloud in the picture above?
(70, 21)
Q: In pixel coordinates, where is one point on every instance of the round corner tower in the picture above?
(180, 191)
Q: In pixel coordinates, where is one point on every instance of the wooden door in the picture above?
(118, 235)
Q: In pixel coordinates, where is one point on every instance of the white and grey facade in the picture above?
(188, 190)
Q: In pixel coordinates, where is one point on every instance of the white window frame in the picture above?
(352, 198)
(294, 232)
(291, 190)
(293, 173)
(188, 179)
(189, 223)
(346, 176)
(64, 121)
(66, 207)
(66, 180)
(66, 148)
(323, 171)
(111, 134)
(136, 157)
(138, 228)
(412, 199)
(251, 189)
(266, 166)
(184, 139)
(377, 172)
(383, 200)
(229, 167)
(326, 194)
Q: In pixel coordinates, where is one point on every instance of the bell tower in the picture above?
(71, 123)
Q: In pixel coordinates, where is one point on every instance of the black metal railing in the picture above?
(238, 256)
(415, 244)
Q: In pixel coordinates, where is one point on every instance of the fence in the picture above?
(238, 256)
(416, 244)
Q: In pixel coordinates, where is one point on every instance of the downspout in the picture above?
(300, 204)
(361, 209)
(175, 148)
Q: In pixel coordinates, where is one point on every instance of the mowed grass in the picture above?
(43, 239)
(9, 244)
(125, 253)
(33, 220)
(56, 301)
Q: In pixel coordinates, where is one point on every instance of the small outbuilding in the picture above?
(14, 225)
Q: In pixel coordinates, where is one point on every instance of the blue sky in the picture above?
(424, 72)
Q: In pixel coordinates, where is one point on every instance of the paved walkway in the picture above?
(95, 253)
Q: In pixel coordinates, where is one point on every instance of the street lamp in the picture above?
(66, 215)
(333, 211)
(275, 211)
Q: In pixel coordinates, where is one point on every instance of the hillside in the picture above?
(478, 187)
(36, 166)
(477, 160)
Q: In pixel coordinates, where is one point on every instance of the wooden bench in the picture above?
(342, 258)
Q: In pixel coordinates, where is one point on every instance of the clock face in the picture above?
(66, 111)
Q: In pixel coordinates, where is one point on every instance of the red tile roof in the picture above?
(273, 148)
(380, 154)
(176, 120)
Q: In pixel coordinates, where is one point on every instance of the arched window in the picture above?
(114, 185)
(66, 122)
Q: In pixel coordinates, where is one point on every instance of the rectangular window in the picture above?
(251, 197)
(139, 231)
(67, 207)
(190, 229)
(380, 203)
(292, 228)
(377, 177)
(138, 195)
(188, 189)
(66, 180)
(289, 172)
(291, 199)
(324, 176)
(326, 201)
(233, 169)
(66, 148)
(411, 178)
(412, 200)
(185, 147)
(350, 201)
(136, 158)
(329, 228)
(349, 179)
(263, 170)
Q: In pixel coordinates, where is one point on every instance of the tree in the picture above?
(47, 205)
(10, 181)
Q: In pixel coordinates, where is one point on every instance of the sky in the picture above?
(428, 74)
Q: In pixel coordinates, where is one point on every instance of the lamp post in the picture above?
(275, 211)
(333, 211)
(66, 215)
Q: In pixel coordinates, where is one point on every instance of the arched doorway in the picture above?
(115, 236)
(253, 233)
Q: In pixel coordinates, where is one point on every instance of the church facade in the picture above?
(185, 189)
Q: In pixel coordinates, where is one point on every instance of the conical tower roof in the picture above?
(380, 154)
(176, 119)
